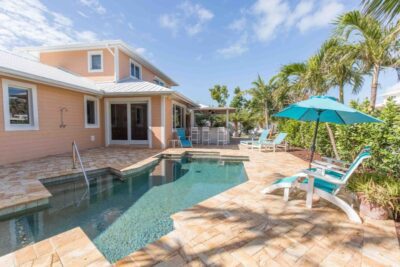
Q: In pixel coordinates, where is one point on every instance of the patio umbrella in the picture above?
(324, 109)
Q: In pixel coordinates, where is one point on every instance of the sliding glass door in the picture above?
(139, 122)
(129, 123)
(119, 122)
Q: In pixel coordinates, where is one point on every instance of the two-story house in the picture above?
(97, 94)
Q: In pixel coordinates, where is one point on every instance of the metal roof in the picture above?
(214, 110)
(132, 86)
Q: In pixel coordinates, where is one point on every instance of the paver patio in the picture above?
(241, 227)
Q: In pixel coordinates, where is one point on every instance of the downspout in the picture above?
(115, 54)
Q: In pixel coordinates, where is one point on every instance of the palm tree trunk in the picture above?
(341, 93)
(333, 141)
(374, 85)
(266, 112)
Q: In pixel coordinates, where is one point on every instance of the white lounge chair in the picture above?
(257, 143)
(327, 184)
(279, 141)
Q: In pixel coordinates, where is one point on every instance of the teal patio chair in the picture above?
(183, 141)
(278, 141)
(257, 143)
(327, 184)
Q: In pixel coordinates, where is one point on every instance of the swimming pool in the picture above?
(123, 216)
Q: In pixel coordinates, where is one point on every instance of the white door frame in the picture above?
(128, 101)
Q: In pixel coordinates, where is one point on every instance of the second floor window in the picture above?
(95, 61)
(136, 71)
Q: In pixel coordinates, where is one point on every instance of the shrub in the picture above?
(384, 138)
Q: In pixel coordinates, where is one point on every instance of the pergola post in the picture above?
(192, 118)
(227, 118)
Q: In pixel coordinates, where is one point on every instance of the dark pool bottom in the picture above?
(123, 216)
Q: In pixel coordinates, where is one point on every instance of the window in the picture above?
(159, 82)
(95, 61)
(178, 116)
(91, 112)
(136, 70)
(20, 106)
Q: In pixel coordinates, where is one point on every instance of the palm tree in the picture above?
(262, 97)
(340, 66)
(385, 9)
(375, 43)
(307, 78)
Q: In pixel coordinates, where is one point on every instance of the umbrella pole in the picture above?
(314, 141)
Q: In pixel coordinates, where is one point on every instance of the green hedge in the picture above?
(384, 138)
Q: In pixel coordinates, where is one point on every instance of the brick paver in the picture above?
(239, 227)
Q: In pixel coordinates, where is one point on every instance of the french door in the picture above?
(129, 123)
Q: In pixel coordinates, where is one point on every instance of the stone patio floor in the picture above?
(239, 227)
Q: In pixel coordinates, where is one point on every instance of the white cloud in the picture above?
(238, 24)
(321, 17)
(95, 6)
(190, 17)
(270, 14)
(303, 8)
(235, 49)
(29, 22)
(82, 14)
(140, 50)
(268, 17)
(170, 22)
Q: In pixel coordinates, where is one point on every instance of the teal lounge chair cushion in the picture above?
(318, 183)
(185, 143)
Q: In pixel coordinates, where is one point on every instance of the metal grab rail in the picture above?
(75, 153)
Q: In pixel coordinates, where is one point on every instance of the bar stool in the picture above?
(194, 135)
(221, 135)
(205, 135)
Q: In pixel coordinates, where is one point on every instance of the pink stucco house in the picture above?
(98, 94)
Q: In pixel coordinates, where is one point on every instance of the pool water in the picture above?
(123, 216)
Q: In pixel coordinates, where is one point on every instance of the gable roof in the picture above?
(127, 49)
(20, 67)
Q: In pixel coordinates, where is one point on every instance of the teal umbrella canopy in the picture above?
(324, 109)
(327, 109)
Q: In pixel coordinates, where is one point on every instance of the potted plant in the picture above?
(379, 195)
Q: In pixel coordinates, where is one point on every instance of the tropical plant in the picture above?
(341, 68)
(220, 94)
(376, 44)
(262, 100)
(385, 9)
(238, 102)
(308, 78)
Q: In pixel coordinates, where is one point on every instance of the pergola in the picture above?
(214, 111)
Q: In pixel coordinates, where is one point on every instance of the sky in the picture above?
(197, 43)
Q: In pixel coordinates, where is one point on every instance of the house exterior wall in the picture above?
(50, 139)
(77, 63)
(156, 125)
(124, 69)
